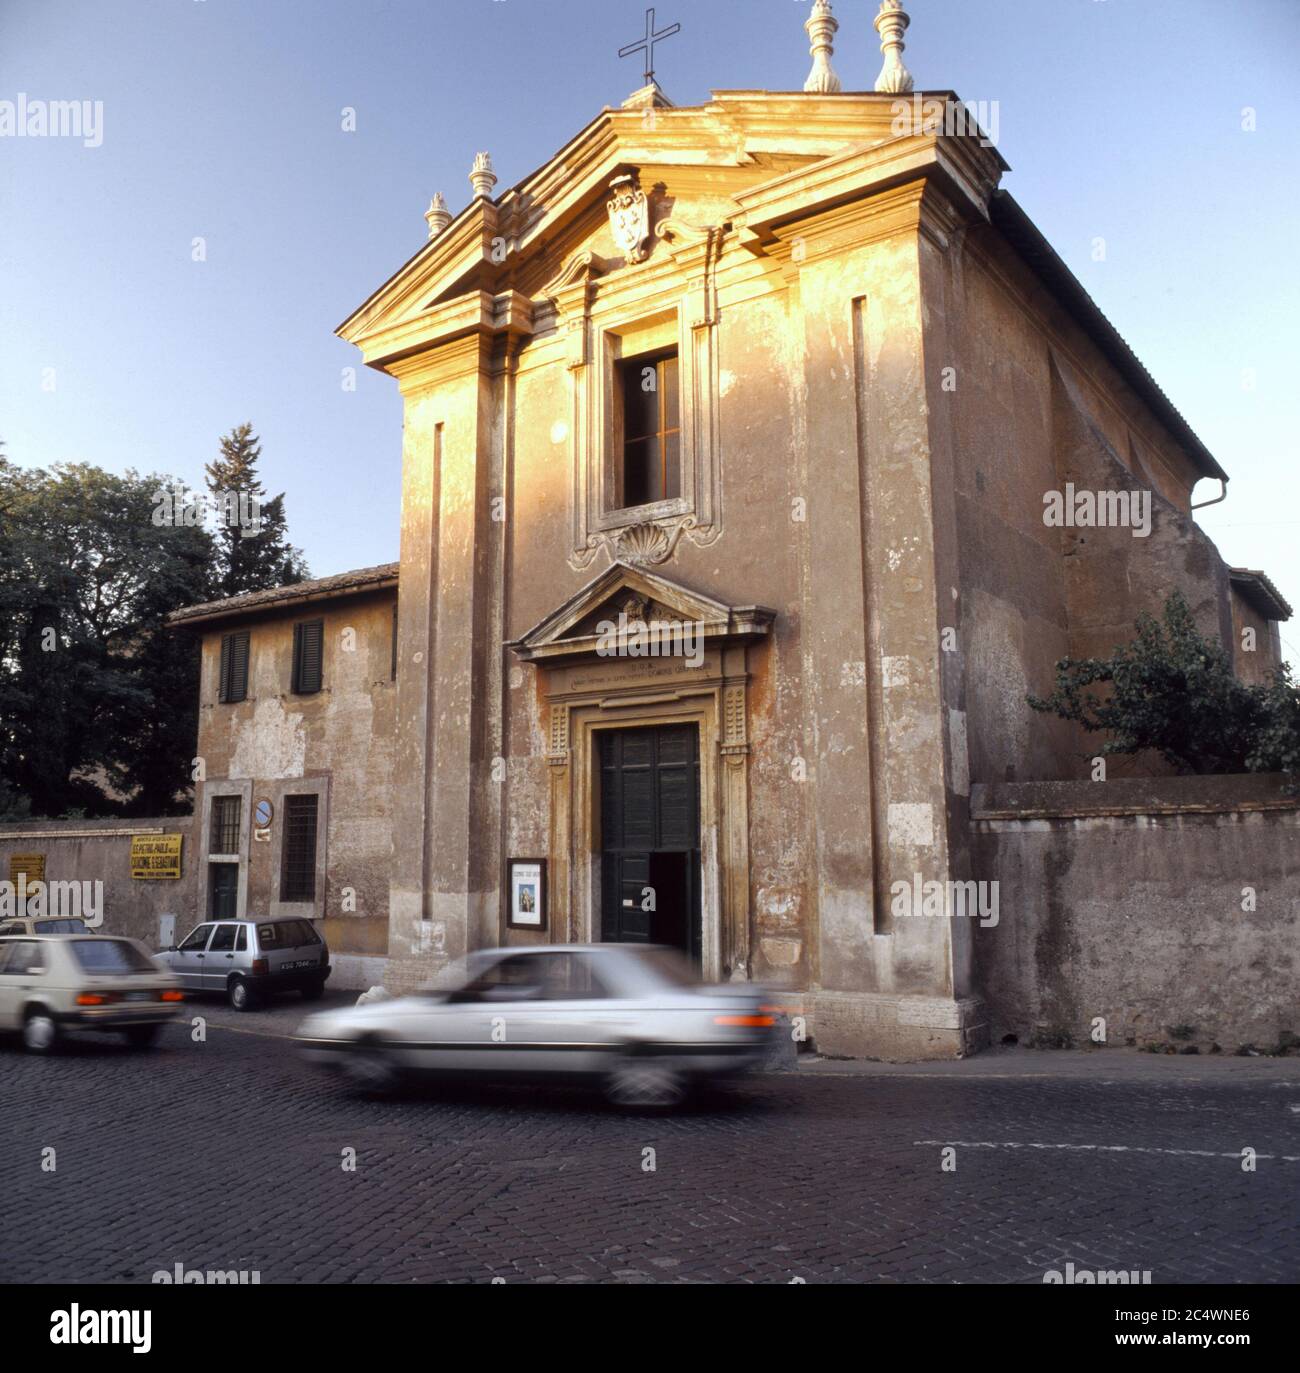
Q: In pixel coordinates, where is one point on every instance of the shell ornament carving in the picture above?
(645, 545)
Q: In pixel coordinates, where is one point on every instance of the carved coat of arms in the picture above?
(629, 217)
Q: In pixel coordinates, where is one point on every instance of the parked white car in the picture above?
(53, 984)
(631, 1017)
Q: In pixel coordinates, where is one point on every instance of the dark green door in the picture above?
(224, 903)
(650, 836)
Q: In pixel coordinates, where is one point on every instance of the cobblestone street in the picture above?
(229, 1154)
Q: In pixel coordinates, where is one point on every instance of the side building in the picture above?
(294, 760)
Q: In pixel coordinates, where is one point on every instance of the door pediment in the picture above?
(623, 598)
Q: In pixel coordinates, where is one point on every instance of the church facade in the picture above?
(733, 437)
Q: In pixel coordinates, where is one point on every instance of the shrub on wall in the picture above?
(1174, 691)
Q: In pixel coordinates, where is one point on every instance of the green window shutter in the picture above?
(233, 685)
(238, 667)
(308, 655)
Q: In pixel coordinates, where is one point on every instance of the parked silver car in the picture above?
(632, 1017)
(248, 960)
(50, 984)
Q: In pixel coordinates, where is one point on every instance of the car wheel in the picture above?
(40, 1033)
(313, 991)
(240, 995)
(642, 1082)
(142, 1036)
(369, 1067)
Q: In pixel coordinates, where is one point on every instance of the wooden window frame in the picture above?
(623, 369)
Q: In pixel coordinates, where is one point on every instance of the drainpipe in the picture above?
(1222, 496)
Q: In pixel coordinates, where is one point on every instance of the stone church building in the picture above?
(725, 569)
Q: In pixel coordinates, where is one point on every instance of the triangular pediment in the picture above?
(700, 161)
(625, 599)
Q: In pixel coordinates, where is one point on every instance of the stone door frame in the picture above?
(716, 705)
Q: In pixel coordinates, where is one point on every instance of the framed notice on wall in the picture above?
(526, 892)
(155, 856)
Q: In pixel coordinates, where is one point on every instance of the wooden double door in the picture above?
(650, 836)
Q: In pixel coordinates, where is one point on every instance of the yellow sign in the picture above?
(156, 855)
(32, 865)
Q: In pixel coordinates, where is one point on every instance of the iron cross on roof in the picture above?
(648, 44)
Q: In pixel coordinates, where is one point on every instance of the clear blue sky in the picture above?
(1121, 120)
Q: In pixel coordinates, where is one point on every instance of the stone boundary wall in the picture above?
(100, 851)
(1169, 907)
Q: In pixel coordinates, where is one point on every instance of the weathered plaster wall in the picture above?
(338, 741)
(1032, 406)
(1137, 916)
(1255, 664)
(100, 851)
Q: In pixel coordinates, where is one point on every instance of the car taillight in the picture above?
(260, 967)
(97, 998)
(173, 996)
(753, 1022)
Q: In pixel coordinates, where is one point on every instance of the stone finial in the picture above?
(821, 28)
(482, 177)
(891, 25)
(437, 215)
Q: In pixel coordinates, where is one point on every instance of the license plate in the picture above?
(141, 996)
(301, 963)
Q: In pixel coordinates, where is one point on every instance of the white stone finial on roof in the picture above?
(821, 28)
(891, 25)
(437, 215)
(482, 177)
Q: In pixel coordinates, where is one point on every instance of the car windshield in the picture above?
(59, 927)
(110, 957)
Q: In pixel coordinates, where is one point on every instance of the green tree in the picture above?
(95, 691)
(98, 697)
(1174, 691)
(253, 550)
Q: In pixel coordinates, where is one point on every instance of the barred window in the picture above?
(225, 824)
(298, 866)
(233, 684)
(308, 653)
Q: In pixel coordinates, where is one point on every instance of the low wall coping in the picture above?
(81, 829)
(1199, 795)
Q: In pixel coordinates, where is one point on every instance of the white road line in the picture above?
(1094, 1148)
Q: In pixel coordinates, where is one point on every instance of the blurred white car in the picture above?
(51, 984)
(631, 1017)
